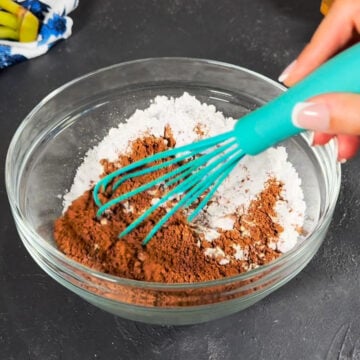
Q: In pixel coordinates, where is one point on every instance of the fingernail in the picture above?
(342, 161)
(312, 116)
(285, 74)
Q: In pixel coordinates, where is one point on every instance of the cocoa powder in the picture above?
(176, 254)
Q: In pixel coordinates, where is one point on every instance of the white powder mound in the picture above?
(185, 115)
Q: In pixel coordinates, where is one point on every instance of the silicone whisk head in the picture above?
(202, 167)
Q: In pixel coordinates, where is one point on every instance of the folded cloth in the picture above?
(54, 26)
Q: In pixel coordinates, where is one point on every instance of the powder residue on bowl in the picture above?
(254, 216)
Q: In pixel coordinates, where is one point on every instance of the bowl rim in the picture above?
(55, 252)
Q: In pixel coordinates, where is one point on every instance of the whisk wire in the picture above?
(217, 183)
(193, 186)
(211, 160)
(196, 190)
(189, 149)
(204, 176)
(148, 170)
(130, 194)
(195, 164)
(188, 183)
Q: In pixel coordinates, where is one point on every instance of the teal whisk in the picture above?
(205, 164)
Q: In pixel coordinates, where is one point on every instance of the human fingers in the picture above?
(333, 34)
(348, 146)
(334, 113)
(320, 138)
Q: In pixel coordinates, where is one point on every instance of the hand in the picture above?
(330, 115)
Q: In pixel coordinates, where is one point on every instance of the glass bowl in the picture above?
(51, 142)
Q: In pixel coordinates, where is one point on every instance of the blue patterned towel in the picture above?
(55, 25)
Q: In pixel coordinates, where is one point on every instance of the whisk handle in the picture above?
(272, 123)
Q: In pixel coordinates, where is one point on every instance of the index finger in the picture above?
(333, 34)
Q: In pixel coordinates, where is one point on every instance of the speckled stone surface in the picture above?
(315, 316)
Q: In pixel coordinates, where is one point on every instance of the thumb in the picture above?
(335, 113)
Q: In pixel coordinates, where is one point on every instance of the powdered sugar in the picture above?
(185, 116)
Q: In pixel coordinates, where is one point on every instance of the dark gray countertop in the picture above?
(315, 316)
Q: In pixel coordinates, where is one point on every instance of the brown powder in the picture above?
(176, 253)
